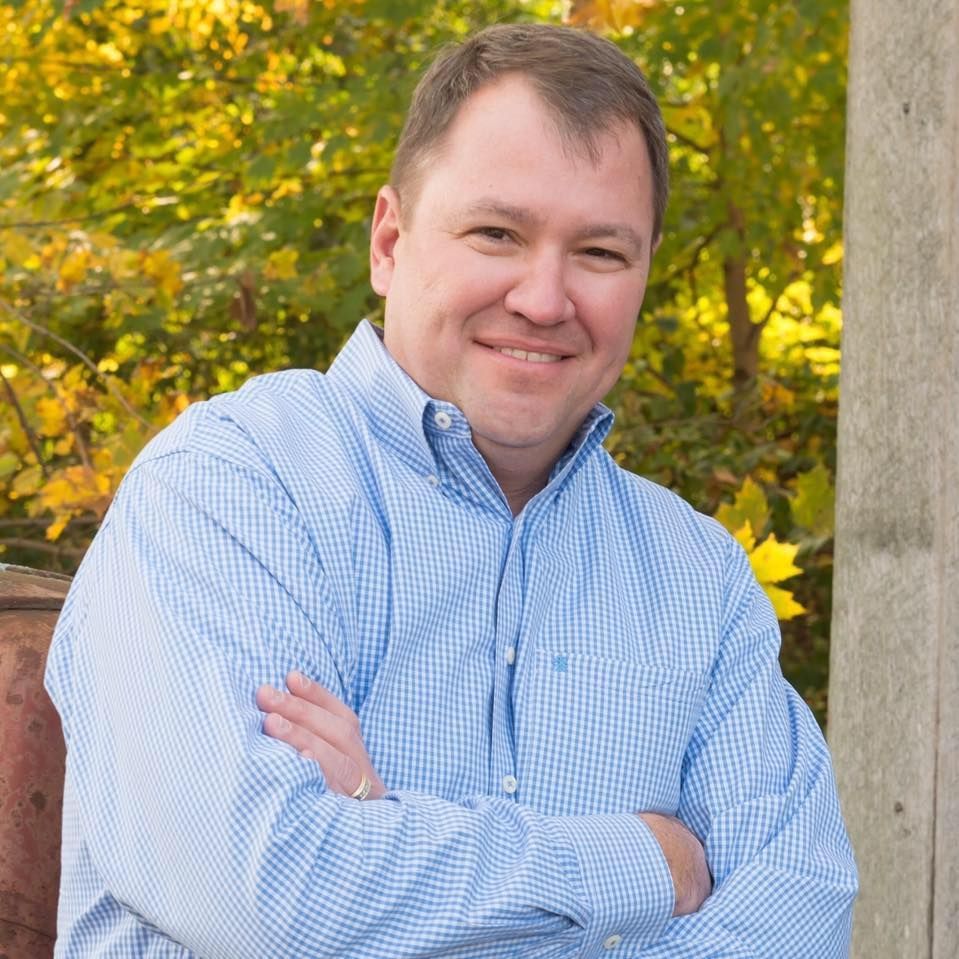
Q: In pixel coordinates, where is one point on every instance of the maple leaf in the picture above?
(749, 506)
(772, 561)
(814, 505)
(784, 603)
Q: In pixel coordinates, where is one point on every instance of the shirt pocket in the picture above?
(603, 735)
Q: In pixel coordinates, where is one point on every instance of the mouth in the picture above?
(528, 355)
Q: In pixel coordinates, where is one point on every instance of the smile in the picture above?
(528, 356)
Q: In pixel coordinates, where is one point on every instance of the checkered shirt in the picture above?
(525, 685)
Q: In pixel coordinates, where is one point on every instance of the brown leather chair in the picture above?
(31, 764)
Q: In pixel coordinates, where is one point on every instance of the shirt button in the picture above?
(510, 655)
(611, 942)
(433, 480)
(509, 784)
(443, 420)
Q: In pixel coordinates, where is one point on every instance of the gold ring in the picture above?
(363, 790)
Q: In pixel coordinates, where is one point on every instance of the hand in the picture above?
(321, 728)
(686, 859)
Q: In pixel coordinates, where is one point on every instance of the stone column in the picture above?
(894, 674)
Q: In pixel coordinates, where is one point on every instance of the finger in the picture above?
(340, 772)
(302, 686)
(340, 733)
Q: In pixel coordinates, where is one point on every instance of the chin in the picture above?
(509, 436)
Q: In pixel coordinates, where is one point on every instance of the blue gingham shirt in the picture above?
(525, 685)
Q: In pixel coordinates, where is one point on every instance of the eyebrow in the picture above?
(517, 214)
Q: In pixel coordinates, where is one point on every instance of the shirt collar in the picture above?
(429, 434)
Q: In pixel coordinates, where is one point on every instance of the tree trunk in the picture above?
(743, 333)
(894, 663)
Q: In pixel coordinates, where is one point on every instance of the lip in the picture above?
(525, 346)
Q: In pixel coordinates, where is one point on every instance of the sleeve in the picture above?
(202, 585)
(758, 787)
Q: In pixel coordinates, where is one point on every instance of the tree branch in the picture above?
(87, 362)
(687, 141)
(793, 276)
(67, 413)
(24, 423)
(42, 547)
(41, 224)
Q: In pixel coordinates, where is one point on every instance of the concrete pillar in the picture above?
(894, 675)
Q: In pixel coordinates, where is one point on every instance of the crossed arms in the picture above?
(326, 731)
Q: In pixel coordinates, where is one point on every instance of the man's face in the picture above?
(513, 284)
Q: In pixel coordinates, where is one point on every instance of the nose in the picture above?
(539, 292)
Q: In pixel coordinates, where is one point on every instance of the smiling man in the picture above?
(534, 701)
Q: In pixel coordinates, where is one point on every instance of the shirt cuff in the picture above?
(626, 884)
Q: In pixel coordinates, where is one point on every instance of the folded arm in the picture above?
(323, 729)
(758, 787)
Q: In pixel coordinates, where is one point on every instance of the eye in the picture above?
(603, 254)
(495, 233)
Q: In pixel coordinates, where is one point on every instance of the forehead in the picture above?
(505, 144)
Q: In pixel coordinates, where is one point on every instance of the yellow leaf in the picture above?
(772, 561)
(833, 254)
(164, 271)
(18, 249)
(27, 482)
(122, 264)
(77, 488)
(750, 505)
(54, 530)
(606, 14)
(281, 264)
(776, 396)
(73, 269)
(53, 419)
(783, 602)
(8, 464)
(102, 459)
(744, 536)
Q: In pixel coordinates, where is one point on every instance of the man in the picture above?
(522, 682)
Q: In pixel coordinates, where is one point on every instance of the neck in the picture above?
(519, 474)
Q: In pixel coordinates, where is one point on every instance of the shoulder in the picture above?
(656, 513)
(243, 426)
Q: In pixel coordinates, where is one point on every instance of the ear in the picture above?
(383, 236)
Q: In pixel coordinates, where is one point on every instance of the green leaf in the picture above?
(749, 506)
(813, 507)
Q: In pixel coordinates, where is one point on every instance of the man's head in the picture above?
(587, 84)
(514, 249)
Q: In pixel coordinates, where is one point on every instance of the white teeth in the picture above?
(530, 357)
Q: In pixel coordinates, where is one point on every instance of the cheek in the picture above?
(611, 325)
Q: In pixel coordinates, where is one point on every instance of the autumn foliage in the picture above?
(185, 193)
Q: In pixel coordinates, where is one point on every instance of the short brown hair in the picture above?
(586, 82)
